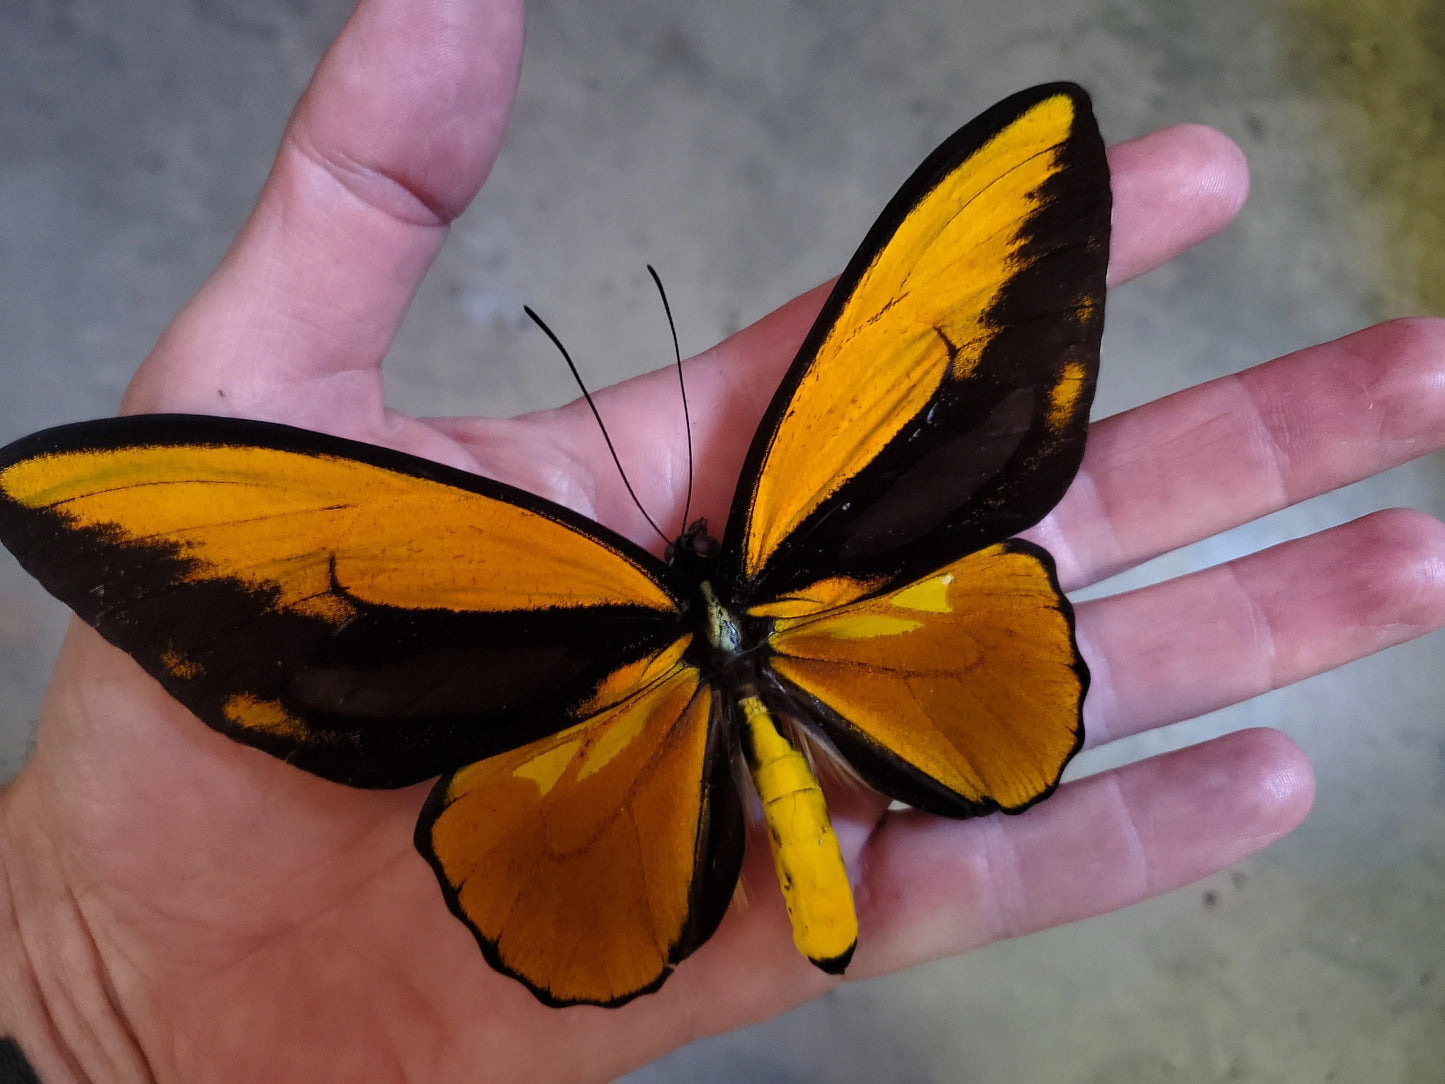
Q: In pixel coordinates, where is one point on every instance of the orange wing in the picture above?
(589, 863)
(959, 693)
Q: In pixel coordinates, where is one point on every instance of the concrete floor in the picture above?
(744, 148)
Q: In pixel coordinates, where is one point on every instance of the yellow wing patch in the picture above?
(823, 595)
(967, 675)
(1064, 395)
(179, 666)
(918, 315)
(265, 716)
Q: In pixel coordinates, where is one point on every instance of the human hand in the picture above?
(194, 909)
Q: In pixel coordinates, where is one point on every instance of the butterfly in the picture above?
(584, 705)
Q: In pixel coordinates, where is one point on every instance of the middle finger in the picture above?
(1190, 645)
(1220, 454)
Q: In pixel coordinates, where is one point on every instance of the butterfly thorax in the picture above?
(725, 641)
(722, 630)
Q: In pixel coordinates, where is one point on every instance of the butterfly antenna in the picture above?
(593, 406)
(682, 387)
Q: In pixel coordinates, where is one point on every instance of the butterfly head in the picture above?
(696, 554)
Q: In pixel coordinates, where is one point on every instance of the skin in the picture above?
(177, 907)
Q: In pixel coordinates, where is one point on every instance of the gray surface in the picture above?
(744, 148)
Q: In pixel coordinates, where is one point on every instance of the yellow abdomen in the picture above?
(805, 849)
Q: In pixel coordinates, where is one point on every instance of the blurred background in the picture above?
(744, 149)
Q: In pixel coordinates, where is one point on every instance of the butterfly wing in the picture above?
(958, 693)
(588, 863)
(940, 401)
(938, 406)
(371, 617)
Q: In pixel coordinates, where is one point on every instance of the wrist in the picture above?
(55, 999)
(23, 1016)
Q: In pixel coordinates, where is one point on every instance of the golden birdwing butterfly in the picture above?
(379, 620)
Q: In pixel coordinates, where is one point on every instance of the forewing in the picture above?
(366, 615)
(940, 401)
(589, 863)
(960, 693)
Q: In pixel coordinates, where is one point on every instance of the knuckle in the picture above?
(1399, 560)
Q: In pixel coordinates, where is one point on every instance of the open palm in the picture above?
(192, 909)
